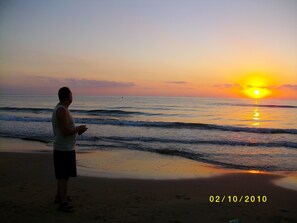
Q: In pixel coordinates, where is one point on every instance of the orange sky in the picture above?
(160, 48)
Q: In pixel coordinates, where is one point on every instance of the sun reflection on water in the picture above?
(256, 117)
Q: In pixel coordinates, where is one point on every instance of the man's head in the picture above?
(65, 94)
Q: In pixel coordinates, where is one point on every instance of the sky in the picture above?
(211, 48)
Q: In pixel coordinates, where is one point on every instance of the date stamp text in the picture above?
(238, 198)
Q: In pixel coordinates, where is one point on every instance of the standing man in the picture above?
(65, 133)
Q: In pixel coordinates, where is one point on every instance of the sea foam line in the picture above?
(152, 124)
(191, 141)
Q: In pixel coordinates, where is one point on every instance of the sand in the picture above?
(27, 190)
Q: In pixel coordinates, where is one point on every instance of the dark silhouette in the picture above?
(65, 133)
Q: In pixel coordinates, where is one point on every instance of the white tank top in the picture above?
(62, 142)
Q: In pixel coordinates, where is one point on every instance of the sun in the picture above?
(256, 92)
(256, 86)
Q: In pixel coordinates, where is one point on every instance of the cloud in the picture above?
(49, 85)
(227, 86)
(97, 83)
(256, 86)
(176, 82)
(80, 83)
(288, 86)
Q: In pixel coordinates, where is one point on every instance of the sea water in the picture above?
(229, 133)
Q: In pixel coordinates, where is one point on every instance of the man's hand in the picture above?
(81, 129)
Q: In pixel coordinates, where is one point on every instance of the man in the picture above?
(65, 133)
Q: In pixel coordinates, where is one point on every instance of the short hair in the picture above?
(64, 93)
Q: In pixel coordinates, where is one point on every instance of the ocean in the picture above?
(229, 133)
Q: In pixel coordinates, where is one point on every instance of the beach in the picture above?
(28, 189)
(178, 111)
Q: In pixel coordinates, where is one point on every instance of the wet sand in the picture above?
(27, 189)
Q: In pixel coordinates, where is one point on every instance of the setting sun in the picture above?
(256, 86)
(257, 92)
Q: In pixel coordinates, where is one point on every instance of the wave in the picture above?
(209, 142)
(189, 154)
(201, 158)
(23, 118)
(126, 141)
(33, 110)
(43, 139)
(95, 112)
(134, 143)
(152, 124)
(114, 112)
(257, 105)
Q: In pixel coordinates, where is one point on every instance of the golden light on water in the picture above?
(256, 117)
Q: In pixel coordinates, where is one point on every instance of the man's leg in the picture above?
(62, 185)
(62, 189)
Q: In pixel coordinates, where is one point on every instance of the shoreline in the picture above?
(27, 190)
(133, 164)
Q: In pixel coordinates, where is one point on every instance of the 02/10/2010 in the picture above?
(238, 199)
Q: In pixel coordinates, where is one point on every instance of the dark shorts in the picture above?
(65, 164)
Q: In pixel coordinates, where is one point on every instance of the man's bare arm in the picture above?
(62, 117)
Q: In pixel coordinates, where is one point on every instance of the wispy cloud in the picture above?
(176, 82)
(80, 83)
(288, 86)
(227, 86)
(256, 86)
(97, 83)
(49, 85)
